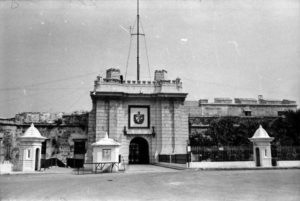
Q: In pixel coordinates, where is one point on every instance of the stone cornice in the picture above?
(96, 95)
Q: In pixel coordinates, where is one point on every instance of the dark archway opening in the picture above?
(138, 151)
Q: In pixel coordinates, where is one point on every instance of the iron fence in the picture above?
(224, 153)
(285, 152)
(176, 158)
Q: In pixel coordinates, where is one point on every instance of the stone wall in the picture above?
(223, 165)
(59, 144)
(5, 167)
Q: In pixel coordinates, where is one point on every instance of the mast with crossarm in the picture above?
(138, 42)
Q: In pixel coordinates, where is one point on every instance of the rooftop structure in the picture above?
(106, 142)
(239, 107)
(32, 133)
(260, 133)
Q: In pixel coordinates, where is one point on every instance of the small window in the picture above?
(247, 113)
(280, 113)
(266, 153)
(106, 154)
(28, 153)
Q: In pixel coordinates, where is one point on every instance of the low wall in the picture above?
(173, 158)
(172, 165)
(223, 165)
(5, 168)
(288, 163)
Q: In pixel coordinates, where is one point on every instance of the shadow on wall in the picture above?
(46, 163)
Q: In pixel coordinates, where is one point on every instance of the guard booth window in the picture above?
(79, 147)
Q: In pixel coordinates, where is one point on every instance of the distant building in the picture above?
(242, 107)
(202, 112)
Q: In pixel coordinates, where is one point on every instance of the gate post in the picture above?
(188, 150)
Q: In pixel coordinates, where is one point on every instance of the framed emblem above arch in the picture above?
(139, 116)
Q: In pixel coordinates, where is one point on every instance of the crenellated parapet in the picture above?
(114, 83)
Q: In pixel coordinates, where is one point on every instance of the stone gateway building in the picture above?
(151, 120)
(147, 118)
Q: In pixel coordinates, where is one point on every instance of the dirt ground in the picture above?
(155, 183)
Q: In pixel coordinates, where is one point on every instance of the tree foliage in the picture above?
(229, 131)
(7, 143)
(286, 129)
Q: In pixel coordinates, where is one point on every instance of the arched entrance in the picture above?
(37, 158)
(257, 157)
(138, 151)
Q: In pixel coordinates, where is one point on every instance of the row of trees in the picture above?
(230, 131)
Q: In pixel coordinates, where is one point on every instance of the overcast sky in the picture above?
(52, 51)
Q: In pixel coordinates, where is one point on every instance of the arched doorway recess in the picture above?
(138, 151)
(257, 156)
(37, 158)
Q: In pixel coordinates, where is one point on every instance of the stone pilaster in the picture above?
(156, 121)
(102, 116)
(91, 134)
(181, 128)
(166, 129)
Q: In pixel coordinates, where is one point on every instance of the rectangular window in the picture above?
(266, 153)
(280, 113)
(106, 154)
(247, 113)
(79, 147)
(28, 153)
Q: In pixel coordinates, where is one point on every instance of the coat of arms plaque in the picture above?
(138, 116)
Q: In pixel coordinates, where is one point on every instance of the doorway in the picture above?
(138, 151)
(257, 157)
(37, 158)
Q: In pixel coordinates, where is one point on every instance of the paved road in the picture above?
(166, 184)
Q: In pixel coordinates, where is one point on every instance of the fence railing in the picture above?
(242, 153)
(285, 152)
(224, 153)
